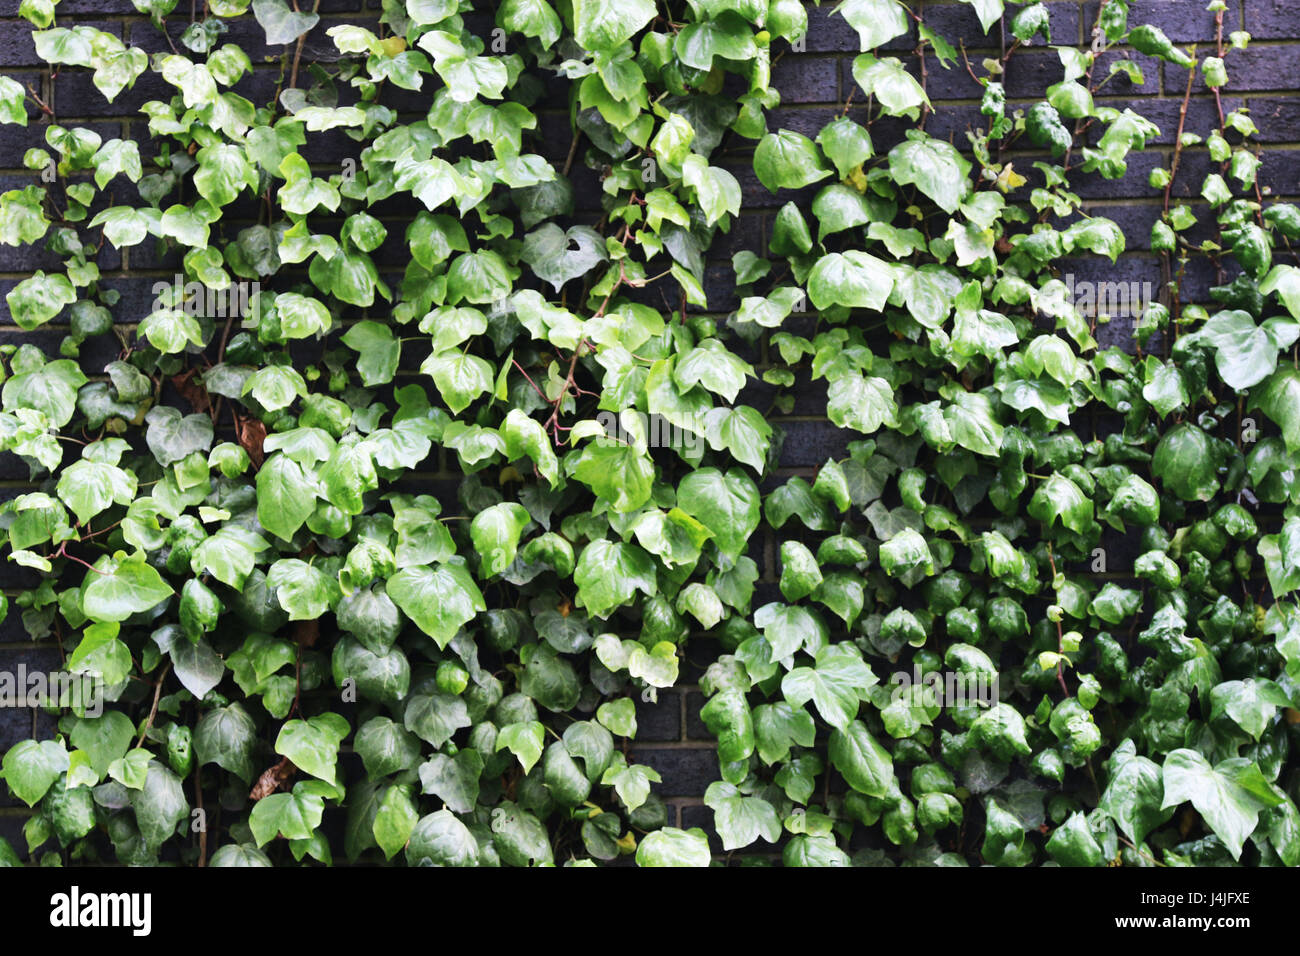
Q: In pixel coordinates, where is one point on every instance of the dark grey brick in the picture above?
(686, 772)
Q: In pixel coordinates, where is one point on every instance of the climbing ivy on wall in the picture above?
(233, 543)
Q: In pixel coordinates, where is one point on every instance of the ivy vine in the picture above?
(245, 538)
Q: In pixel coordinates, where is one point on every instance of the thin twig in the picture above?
(153, 711)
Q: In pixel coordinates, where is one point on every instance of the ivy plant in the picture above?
(443, 458)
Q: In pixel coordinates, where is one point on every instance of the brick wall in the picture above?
(814, 85)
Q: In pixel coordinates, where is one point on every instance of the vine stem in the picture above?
(153, 711)
(1173, 172)
(1060, 634)
(297, 53)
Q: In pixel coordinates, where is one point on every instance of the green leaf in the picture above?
(461, 378)
(609, 573)
(558, 255)
(495, 532)
(604, 25)
(853, 279)
(862, 403)
(727, 504)
(440, 839)
(1188, 462)
(38, 299)
(1060, 499)
(286, 496)
(454, 780)
(439, 600)
(313, 744)
(282, 25)
(1278, 397)
(741, 820)
(897, 92)
(788, 160)
(159, 804)
(294, 815)
(865, 764)
(934, 167)
(31, 767)
(836, 685)
(227, 736)
(525, 740)
(877, 21)
(1229, 795)
(127, 586)
(302, 589)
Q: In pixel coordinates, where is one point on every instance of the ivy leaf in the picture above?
(525, 740)
(619, 473)
(313, 744)
(788, 160)
(435, 717)
(1229, 795)
(89, 487)
(439, 600)
(173, 437)
(778, 726)
(286, 496)
(31, 767)
(741, 820)
(495, 532)
(558, 255)
(227, 736)
(988, 11)
(1060, 499)
(1251, 703)
(440, 839)
(50, 390)
(1073, 844)
(380, 351)
(727, 716)
(1188, 462)
(39, 298)
(128, 586)
(727, 504)
(461, 378)
(670, 846)
(934, 167)
(282, 25)
(602, 26)
(1134, 796)
(608, 574)
(862, 403)
(1278, 397)
(877, 21)
(865, 764)
(898, 93)
(534, 18)
(302, 589)
(852, 279)
(743, 431)
(836, 685)
(454, 780)
(294, 815)
(159, 804)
